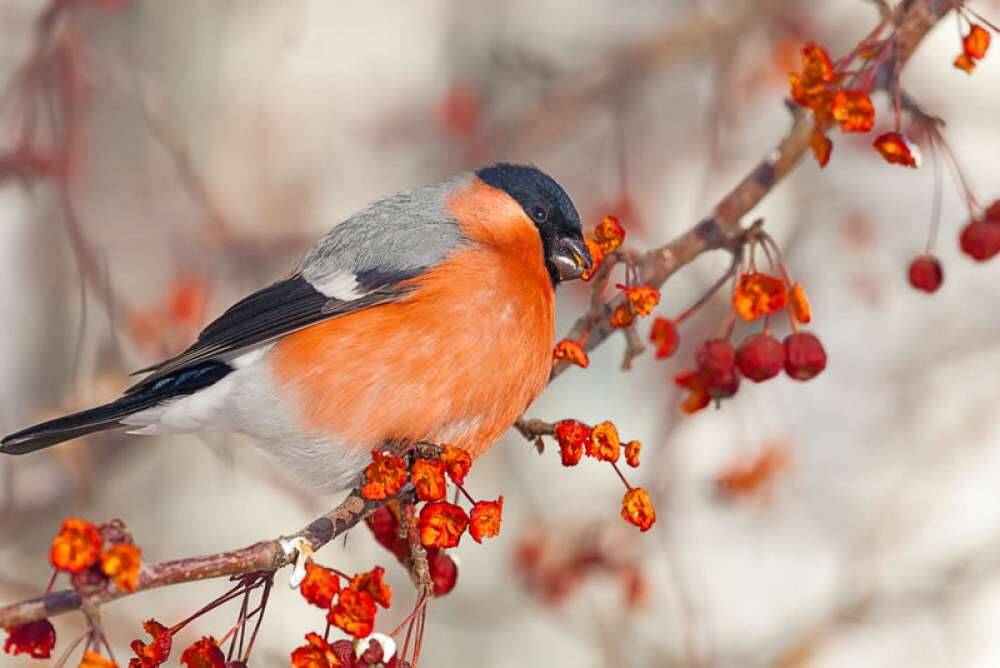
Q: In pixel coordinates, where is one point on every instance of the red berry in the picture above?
(980, 239)
(444, 571)
(925, 273)
(760, 357)
(804, 356)
(385, 527)
(716, 361)
(461, 110)
(993, 212)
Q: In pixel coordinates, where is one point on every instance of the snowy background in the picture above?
(215, 140)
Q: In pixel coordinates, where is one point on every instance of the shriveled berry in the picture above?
(716, 361)
(804, 356)
(926, 273)
(760, 357)
(980, 239)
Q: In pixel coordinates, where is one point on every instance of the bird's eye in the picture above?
(539, 214)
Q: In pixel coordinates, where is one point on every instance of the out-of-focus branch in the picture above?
(268, 555)
(719, 230)
(952, 582)
(564, 104)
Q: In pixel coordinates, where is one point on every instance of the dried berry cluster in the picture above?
(601, 442)
(836, 93)
(318, 652)
(974, 43)
(719, 365)
(385, 525)
(204, 653)
(606, 238)
(840, 92)
(441, 523)
(351, 604)
(94, 556)
(603, 244)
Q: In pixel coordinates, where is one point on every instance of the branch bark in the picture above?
(268, 555)
(719, 230)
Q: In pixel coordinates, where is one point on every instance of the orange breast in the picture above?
(456, 361)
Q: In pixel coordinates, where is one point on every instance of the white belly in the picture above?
(245, 402)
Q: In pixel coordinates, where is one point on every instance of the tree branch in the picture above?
(720, 230)
(268, 555)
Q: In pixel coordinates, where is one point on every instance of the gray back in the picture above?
(394, 239)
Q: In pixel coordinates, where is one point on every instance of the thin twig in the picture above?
(265, 556)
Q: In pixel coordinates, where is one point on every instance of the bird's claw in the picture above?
(299, 551)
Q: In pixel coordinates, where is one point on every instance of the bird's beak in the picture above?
(571, 258)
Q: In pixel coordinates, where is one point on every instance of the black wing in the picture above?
(279, 309)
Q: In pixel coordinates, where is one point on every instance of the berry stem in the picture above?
(709, 293)
(980, 17)
(935, 202)
(936, 138)
(264, 596)
(621, 475)
(897, 98)
(780, 263)
(52, 581)
(465, 493)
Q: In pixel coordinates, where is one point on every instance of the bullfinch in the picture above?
(429, 316)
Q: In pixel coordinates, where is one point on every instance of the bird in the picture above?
(427, 317)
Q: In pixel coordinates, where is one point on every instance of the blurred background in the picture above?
(208, 142)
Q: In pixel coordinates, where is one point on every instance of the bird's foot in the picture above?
(299, 551)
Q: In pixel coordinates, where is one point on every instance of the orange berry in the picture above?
(77, 547)
(573, 352)
(604, 442)
(441, 524)
(854, 110)
(572, 436)
(896, 149)
(637, 508)
(976, 42)
(485, 518)
(664, 336)
(632, 449)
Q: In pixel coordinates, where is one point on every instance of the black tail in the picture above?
(109, 416)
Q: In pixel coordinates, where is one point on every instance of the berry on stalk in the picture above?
(926, 273)
(716, 361)
(980, 239)
(805, 357)
(760, 357)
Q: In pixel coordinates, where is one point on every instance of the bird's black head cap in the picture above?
(550, 209)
